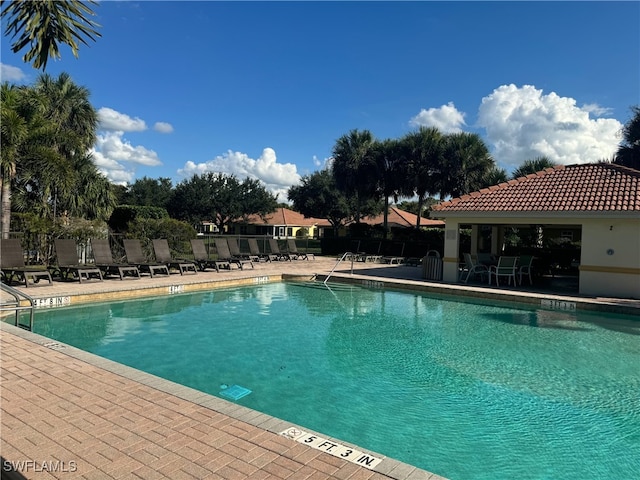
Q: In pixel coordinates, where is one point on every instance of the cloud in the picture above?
(11, 74)
(521, 124)
(163, 127)
(120, 122)
(277, 177)
(112, 152)
(447, 118)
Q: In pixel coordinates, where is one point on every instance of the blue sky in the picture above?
(264, 89)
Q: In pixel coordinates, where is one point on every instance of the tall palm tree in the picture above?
(532, 166)
(425, 149)
(628, 153)
(467, 163)
(391, 171)
(354, 168)
(43, 24)
(67, 105)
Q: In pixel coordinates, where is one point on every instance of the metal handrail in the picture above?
(338, 263)
(16, 306)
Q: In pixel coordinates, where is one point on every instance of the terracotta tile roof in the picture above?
(402, 218)
(283, 216)
(594, 187)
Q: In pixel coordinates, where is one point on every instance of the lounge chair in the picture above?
(222, 247)
(201, 257)
(12, 264)
(256, 252)
(525, 268)
(135, 256)
(472, 268)
(275, 250)
(507, 267)
(103, 259)
(292, 249)
(67, 261)
(234, 248)
(163, 255)
(395, 258)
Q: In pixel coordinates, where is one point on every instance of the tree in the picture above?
(425, 150)
(532, 166)
(318, 196)
(495, 176)
(151, 192)
(467, 162)
(220, 198)
(354, 171)
(628, 153)
(391, 172)
(44, 24)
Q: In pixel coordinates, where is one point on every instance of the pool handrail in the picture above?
(350, 254)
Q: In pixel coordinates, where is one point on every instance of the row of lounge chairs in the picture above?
(68, 266)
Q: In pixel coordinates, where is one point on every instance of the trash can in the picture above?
(432, 266)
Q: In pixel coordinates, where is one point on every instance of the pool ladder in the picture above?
(345, 256)
(16, 305)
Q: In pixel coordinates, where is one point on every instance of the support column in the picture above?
(451, 251)
(475, 233)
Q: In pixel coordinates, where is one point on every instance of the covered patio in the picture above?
(592, 211)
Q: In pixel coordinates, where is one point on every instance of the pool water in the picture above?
(465, 390)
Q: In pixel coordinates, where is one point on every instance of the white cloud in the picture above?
(277, 177)
(120, 122)
(11, 74)
(597, 110)
(521, 123)
(111, 153)
(163, 127)
(447, 118)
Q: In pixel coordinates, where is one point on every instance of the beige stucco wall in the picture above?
(610, 262)
(601, 274)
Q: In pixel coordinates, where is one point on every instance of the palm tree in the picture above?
(425, 151)
(354, 168)
(532, 166)
(391, 172)
(43, 24)
(467, 163)
(629, 151)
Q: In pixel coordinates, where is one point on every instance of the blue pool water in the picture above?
(465, 390)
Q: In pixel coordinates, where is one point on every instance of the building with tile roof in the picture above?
(601, 201)
(398, 218)
(283, 223)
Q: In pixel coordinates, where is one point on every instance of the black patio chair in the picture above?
(103, 258)
(201, 257)
(163, 255)
(68, 264)
(222, 247)
(13, 266)
(135, 256)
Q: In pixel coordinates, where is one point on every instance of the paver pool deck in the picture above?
(66, 413)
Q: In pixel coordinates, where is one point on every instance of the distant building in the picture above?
(281, 224)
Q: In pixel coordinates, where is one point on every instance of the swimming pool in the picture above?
(465, 390)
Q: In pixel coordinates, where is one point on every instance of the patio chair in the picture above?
(222, 247)
(256, 252)
(103, 259)
(275, 250)
(234, 248)
(67, 263)
(12, 264)
(135, 256)
(526, 268)
(292, 249)
(472, 268)
(163, 255)
(201, 257)
(507, 267)
(393, 258)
